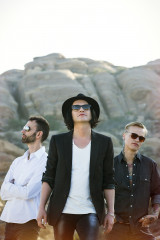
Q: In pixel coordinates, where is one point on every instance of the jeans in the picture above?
(86, 225)
(24, 231)
(121, 231)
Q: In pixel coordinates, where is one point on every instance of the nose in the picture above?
(81, 109)
(137, 139)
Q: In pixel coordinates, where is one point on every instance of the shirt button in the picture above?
(133, 174)
(134, 164)
(128, 186)
(126, 166)
(133, 184)
(127, 176)
(130, 216)
(130, 205)
(131, 195)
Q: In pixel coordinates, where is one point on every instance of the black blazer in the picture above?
(58, 172)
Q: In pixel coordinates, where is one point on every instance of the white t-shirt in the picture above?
(79, 199)
(23, 196)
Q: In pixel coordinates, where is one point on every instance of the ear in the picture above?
(39, 134)
(123, 136)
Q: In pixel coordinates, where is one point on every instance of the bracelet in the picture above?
(111, 214)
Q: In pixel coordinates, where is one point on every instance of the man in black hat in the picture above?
(78, 175)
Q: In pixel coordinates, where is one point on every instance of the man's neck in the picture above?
(82, 130)
(82, 135)
(33, 147)
(129, 155)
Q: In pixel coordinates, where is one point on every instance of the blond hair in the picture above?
(137, 124)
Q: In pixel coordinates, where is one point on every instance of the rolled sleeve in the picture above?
(110, 186)
(48, 180)
(155, 185)
(155, 199)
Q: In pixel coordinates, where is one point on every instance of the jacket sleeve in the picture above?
(108, 170)
(49, 175)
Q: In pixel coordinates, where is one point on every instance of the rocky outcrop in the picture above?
(43, 92)
(110, 94)
(8, 152)
(140, 88)
(154, 65)
(124, 95)
(8, 106)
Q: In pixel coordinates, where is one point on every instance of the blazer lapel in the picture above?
(94, 153)
(67, 145)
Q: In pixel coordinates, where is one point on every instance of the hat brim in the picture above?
(68, 103)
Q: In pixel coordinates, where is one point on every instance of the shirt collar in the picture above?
(137, 157)
(36, 154)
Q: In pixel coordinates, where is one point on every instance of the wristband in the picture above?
(111, 214)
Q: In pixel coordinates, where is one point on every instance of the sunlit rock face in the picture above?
(8, 152)
(124, 95)
(140, 87)
(8, 105)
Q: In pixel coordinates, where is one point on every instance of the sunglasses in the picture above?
(26, 128)
(135, 136)
(77, 107)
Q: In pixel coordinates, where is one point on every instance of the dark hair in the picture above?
(42, 125)
(69, 121)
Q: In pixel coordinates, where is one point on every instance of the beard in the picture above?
(29, 139)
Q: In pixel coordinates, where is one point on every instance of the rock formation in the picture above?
(124, 95)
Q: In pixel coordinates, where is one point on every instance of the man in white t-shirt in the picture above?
(78, 175)
(22, 184)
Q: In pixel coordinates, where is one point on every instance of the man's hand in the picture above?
(42, 218)
(148, 219)
(108, 223)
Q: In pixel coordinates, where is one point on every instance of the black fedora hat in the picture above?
(68, 103)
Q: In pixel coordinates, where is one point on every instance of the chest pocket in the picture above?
(145, 179)
(145, 186)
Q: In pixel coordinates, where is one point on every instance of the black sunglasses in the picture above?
(26, 128)
(85, 107)
(134, 136)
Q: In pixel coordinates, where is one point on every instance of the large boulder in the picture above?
(154, 65)
(100, 66)
(123, 94)
(8, 105)
(74, 65)
(110, 94)
(41, 64)
(8, 152)
(140, 89)
(43, 93)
